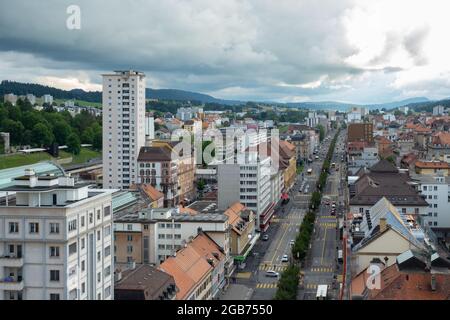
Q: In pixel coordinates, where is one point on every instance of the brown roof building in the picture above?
(384, 180)
(360, 132)
(144, 283)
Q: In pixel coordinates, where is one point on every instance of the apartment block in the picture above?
(55, 240)
(123, 127)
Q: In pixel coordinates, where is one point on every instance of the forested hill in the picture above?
(38, 90)
(96, 96)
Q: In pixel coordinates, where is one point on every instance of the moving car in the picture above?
(265, 237)
(291, 242)
(272, 274)
(285, 258)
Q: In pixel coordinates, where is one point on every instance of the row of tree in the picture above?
(30, 127)
(289, 280)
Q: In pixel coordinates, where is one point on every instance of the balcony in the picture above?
(11, 261)
(11, 284)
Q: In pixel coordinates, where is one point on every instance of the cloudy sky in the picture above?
(360, 51)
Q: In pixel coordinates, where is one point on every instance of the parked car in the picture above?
(272, 274)
(285, 258)
(265, 237)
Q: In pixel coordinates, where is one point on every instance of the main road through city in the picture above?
(267, 255)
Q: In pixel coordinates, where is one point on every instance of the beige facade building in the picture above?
(55, 240)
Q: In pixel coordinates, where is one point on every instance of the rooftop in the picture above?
(147, 282)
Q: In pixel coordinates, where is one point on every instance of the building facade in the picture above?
(123, 127)
(55, 240)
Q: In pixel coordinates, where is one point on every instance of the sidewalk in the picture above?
(237, 292)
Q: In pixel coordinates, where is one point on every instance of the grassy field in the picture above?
(17, 160)
(85, 155)
(80, 103)
(283, 129)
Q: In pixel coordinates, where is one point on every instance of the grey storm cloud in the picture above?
(220, 46)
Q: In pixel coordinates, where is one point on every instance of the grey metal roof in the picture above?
(45, 167)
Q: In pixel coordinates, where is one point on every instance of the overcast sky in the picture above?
(284, 50)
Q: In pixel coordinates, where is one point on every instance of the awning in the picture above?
(252, 243)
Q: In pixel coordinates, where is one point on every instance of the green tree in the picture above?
(42, 135)
(73, 143)
(321, 132)
(61, 131)
(15, 129)
(88, 136)
(97, 141)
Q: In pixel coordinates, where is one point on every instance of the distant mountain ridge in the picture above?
(38, 90)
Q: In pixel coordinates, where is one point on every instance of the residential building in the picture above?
(198, 269)
(243, 235)
(435, 189)
(153, 235)
(360, 132)
(144, 282)
(11, 98)
(58, 229)
(438, 110)
(385, 180)
(31, 98)
(250, 184)
(432, 167)
(382, 235)
(159, 169)
(48, 99)
(149, 128)
(439, 147)
(123, 127)
(415, 275)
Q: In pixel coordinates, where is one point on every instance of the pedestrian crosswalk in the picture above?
(328, 225)
(311, 286)
(327, 217)
(266, 285)
(278, 268)
(322, 269)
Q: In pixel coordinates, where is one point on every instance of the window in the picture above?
(72, 248)
(54, 296)
(435, 223)
(161, 236)
(129, 238)
(107, 251)
(34, 227)
(168, 236)
(177, 236)
(99, 256)
(91, 217)
(435, 188)
(83, 266)
(107, 231)
(108, 292)
(177, 225)
(13, 227)
(145, 226)
(54, 252)
(82, 243)
(99, 277)
(54, 228)
(54, 275)
(98, 215)
(73, 225)
(82, 221)
(130, 227)
(107, 272)
(435, 205)
(129, 249)
(161, 246)
(99, 235)
(107, 211)
(83, 288)
(425, 188)
(361, 210)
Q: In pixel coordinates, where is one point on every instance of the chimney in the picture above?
(433, 282)
(383, 224)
